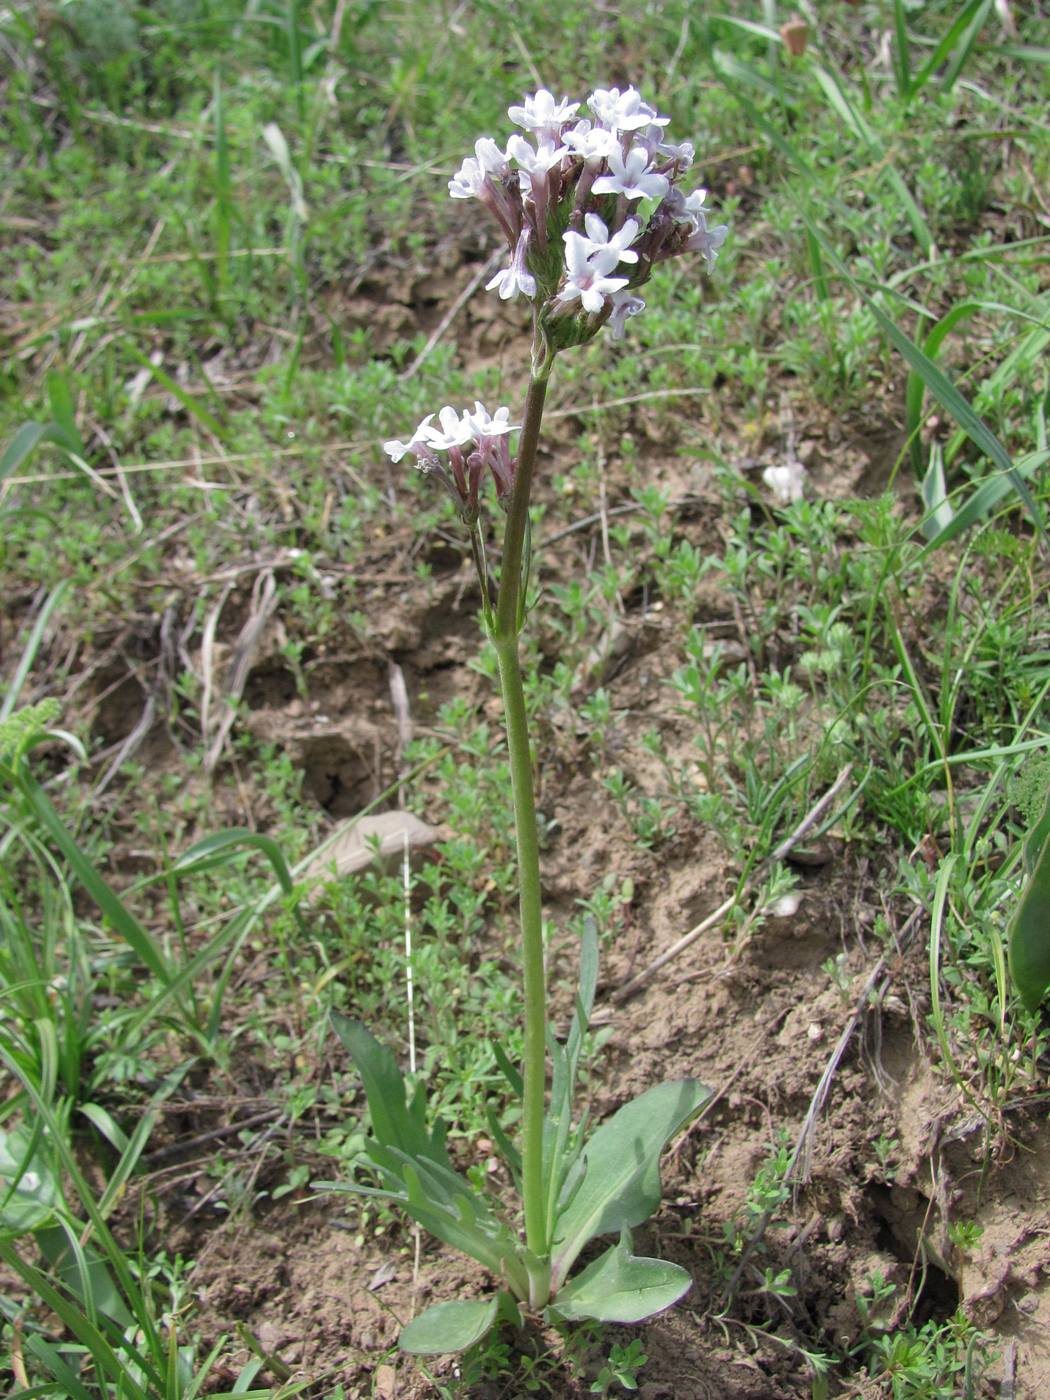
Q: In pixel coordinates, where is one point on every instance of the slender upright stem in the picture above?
(531, 914)
(505, 636)
(510, 579)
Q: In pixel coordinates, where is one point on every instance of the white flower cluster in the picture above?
(577, 182)
(458, 448)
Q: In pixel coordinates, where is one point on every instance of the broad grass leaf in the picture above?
(982, 500)
(28, 1190)
(1029, 931)
(915, 389)
(219, 848)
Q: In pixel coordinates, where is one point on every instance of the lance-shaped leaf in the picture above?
(1029, 934)
(396, 1121)
(621, 1287)
(560, 1144)
(620, 1185)
(414, 1167)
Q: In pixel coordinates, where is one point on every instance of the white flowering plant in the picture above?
(589, 205)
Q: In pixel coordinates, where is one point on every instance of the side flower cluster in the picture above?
(568, 198)
(458, 449)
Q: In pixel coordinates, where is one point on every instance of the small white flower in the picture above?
(707, 241)
(632, 176)
(587, 271)
(623, 111)
(509, 283)
(516, 278)
(682, 154)
(787, 482)
(491, 159)
(536, 162)
(455, 430)
(495, 425)
(416, 444)
(542, 113)
(591, 143)
(469, 179)
(686, 208)
(599, 239)
(625, 305)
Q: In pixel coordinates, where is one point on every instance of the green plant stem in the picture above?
(505, 632)
(508, 609)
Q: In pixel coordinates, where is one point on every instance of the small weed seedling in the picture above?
(572, 204)
(622, 1368)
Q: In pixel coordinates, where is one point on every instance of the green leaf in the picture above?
(106, 1361)
(63, 411)
(219, 848)
(189, 403)
(395, 1122)
(901, 57)
(414, 1166)
(83, 1270)
(1037, 838)
(1029, 931)
(117, 915)
(621, 1287)
(983, 500)
(448, 1327)
(935, 496)
(915, 389)
(31, 647)
(620, 1186)
(561, 1146)
(28, 1189)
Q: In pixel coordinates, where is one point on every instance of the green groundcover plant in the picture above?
(589, 205)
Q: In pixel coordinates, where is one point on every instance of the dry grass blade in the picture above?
(263, 602)
(157, 699)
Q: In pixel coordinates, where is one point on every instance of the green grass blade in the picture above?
(935, 496)
(25, 442)
(55, 1364)
(116, 913)
(915, 389)
(223, 190)
(107, 1361)
(63, 411)
(984, 499)
(939, 385)
(901, 53)
(220, 848)
(189, 403)
(29, 652)
(854, 122)
(295, 54)
(961, 36)
(1028, 935)
(962, 52)
(732, 67)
